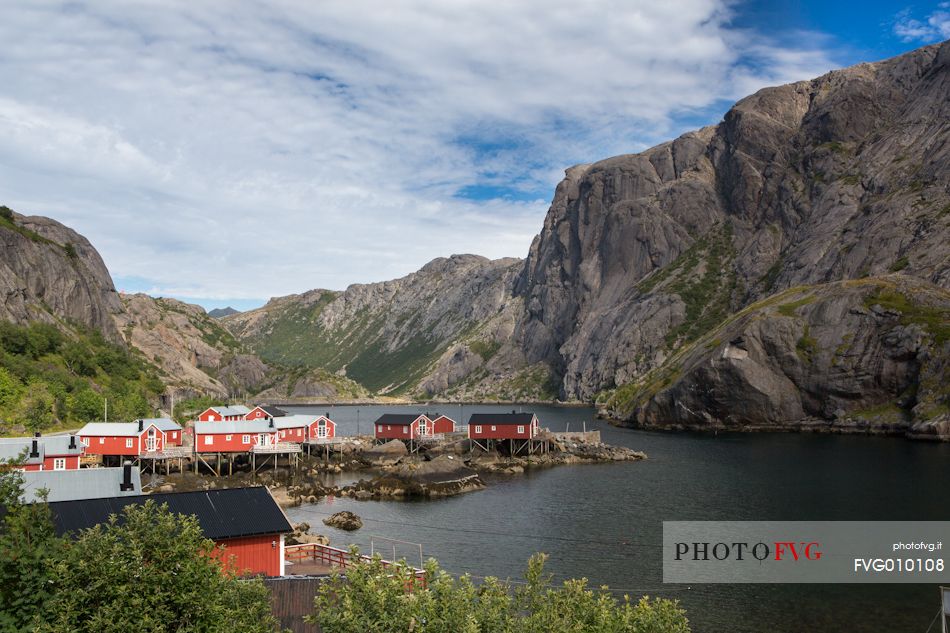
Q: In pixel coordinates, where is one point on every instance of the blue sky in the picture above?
(224, 153)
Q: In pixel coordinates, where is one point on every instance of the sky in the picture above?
(226, 152)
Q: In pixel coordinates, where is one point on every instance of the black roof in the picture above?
(222, 514)
(273, 411)
(501, 418)
(398, 419)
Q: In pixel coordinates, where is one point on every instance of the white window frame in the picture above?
(493, 428)
(478, 428)
(209, 440)
(59, 463)
(405, 430)
(245, 439)
(102, 440)
(129, 442)
(379, 428)
(520, 429)
(227, 438)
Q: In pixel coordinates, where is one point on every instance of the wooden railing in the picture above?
(280, 447)
(340, 558)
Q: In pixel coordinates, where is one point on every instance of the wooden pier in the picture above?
(314, 559)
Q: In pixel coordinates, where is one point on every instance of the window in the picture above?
(209, 439)
(520, 429)
(405, 430)
(85, 441)
(389, 428)
(128, 443)
(59, 463)
(493, 427)
(478, 428)
(245, 439)
(379, 428)
(227, 438)
(102, 440)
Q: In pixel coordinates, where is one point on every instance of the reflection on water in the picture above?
(604, 521)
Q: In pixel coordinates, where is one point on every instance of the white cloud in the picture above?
(934, 27)
(233, 150)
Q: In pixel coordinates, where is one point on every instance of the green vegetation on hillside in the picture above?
(914, 311)
(50, 379)
(704, 279)
(297, 338)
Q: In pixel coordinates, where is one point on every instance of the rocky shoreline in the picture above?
(937, 430)
(441, 470)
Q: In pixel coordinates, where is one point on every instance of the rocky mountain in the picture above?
(788, 267)
(641, 256)
(192, 349)
(219, 313)
(50, 273)
(655, 272)
(394, 336)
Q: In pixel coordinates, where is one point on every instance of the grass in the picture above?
(789, 309)
(485, 349)
(7, 221)
(901, 263)
(934, 320)
(807, 346)
(835, 147)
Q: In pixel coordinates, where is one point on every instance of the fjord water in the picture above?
(604, 521)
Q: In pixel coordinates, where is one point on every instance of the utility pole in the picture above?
(106, 404)
(357, 422)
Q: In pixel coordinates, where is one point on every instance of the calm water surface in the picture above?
(604, 521)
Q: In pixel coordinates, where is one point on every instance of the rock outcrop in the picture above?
(190, 347)
(345, 520)
(48, 272)
(864, 355)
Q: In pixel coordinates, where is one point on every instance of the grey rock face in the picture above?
(871, 352)
(48, 272)
(840, 177)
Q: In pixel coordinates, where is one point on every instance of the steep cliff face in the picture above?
(194, 352)
(391, 336)
(869, 354)
(50, 273)
(841, 177)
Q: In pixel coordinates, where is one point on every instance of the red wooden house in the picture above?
(442, 424)
(246, 522)
(292, 428)
(503, 426)
(238, 436)
(55, 452)
(264, 412)
(122, 438)
(172, 430)
(402, 426)
(321, 428)
(223, 414)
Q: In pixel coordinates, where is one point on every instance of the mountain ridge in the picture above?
(656, 278)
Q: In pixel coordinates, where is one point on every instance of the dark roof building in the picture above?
(222, 514)
(398, 419)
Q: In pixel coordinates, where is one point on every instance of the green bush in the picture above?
(375, 598)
